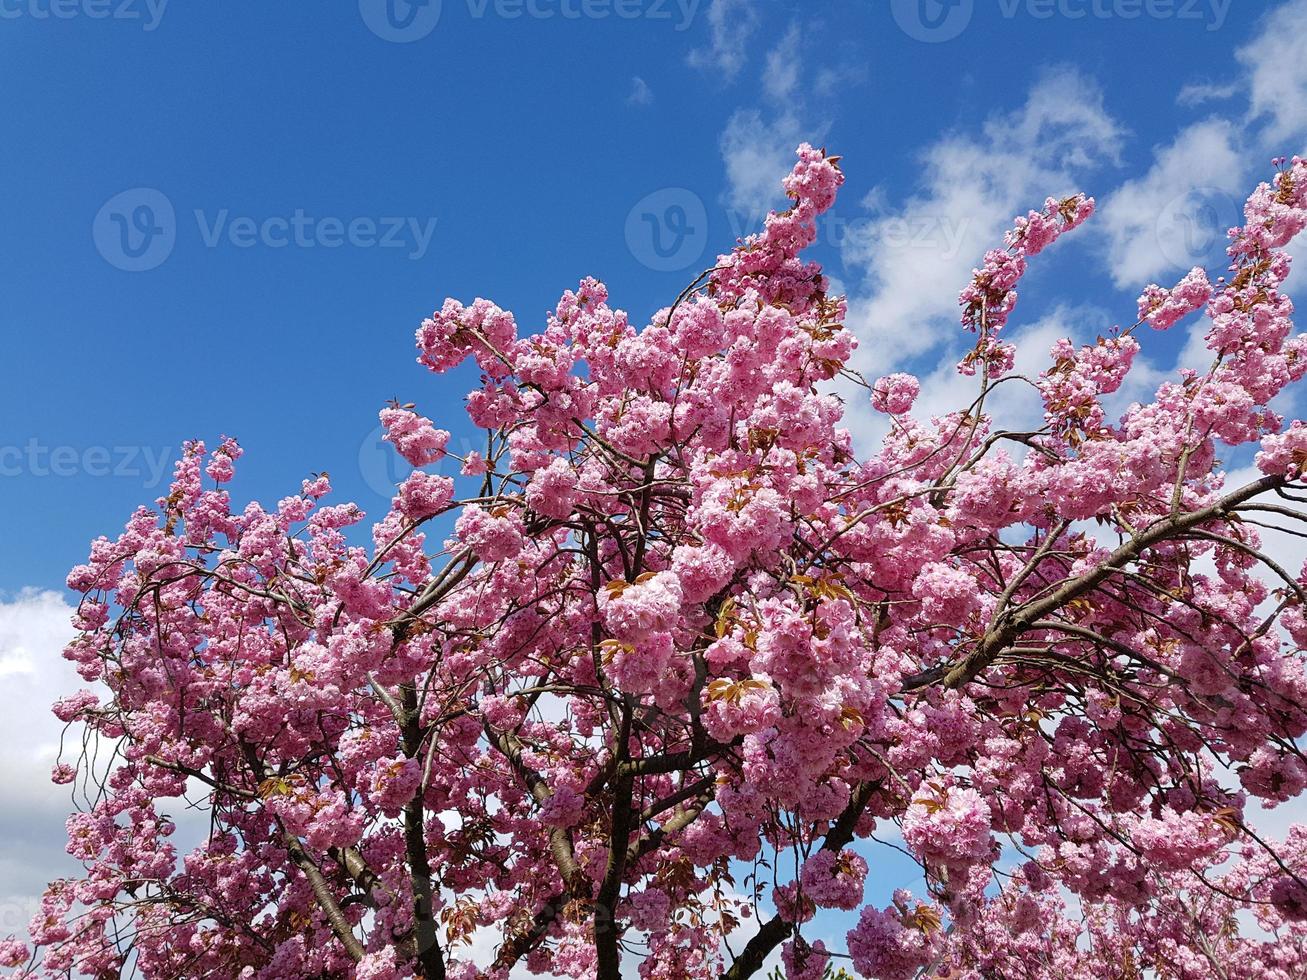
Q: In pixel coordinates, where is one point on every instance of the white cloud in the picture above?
(730, 25)
(1276, 64)
(782, 73)
(915, 259)
(1198, 93)
(758, 143)
(641, 93)
(34, 627)
(1153, 227)
(1175, 215)
(1014, 405)
(758, 151)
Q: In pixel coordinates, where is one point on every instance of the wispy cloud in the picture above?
(641, 93)
(781, 76)
(1175, 216)
(731, 23)
(1199, 93)
(758, 151)
(758, 141)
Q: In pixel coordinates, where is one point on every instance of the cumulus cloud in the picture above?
(1275, 63)
(1175, 215)
(914, 259)
(1015, 404)
(758, 150)
(1153, 227)
(34, 627)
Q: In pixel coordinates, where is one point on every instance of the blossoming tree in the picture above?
(683, 653)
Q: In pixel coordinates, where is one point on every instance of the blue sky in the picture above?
(520, 145)
(230, 217)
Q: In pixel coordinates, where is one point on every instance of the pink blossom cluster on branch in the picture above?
(683, 654)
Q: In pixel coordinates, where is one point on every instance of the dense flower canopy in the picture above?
(683, 654)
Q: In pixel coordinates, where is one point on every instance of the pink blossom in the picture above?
(634, 611)
(834, 880)
(895, 393)
(414, 436)
(950, 826)
(492, 536)
(422, 495)
(686, 624)
(1162, 308)
(553, 489)
(883, 946)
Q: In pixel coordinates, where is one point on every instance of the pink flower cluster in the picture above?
(1162, 308)
(885, 946)
(834, 880)
(990, 297)
(415, 438)
(950, 826)
(895, 394)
